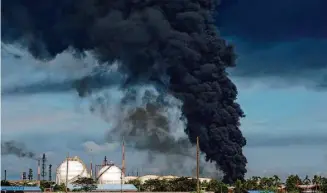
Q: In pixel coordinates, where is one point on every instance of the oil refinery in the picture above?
(72, 168)
(107, 173)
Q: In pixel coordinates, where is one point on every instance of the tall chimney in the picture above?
(67, 169)
(5, 175)
(91, 171)
(38, 169)
(123, 158)
(197, 164)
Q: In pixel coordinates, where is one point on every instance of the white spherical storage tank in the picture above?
(76, 169)
(110, 174)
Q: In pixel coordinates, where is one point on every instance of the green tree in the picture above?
(59, 188)
(156, 185)
(323, 184)
(238, 186)
(182, 184)
(316, 179)
(306, 180)
(276, 181)
(291, 183)
(267, 183)
(5, 183)
(136, 183)
(46, 184)
(216, 186)
(85, 184)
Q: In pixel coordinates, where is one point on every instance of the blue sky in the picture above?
(285, 125)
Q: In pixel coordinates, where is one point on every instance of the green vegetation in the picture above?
(84, 184)
(5, 183)
(264, 184)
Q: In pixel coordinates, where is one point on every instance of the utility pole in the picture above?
(91, 164)
(121, 181)
(197, 165)
(39, 170)
(67, 172)
(123, 167)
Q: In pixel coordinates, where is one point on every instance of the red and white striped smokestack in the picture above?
(38, 169)
(123, 157)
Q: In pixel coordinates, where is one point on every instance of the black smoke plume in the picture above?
(17, 149)
(153, 39)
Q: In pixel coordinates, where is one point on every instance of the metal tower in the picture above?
(24, 176)
(43, 173)
(30, 174)
(50, 177)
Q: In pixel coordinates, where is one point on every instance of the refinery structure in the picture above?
(104, 174)
(107, 173)
(76, 168)
(73, 168)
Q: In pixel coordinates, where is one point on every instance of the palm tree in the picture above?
(316, 179)
(266, 182)
(306, 180)
(277, 181)
(238, 186)
(291, 182)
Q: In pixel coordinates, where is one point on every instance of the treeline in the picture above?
(183, 184)
(273, 184)
(177, 185)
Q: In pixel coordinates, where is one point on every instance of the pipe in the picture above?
(197, 165)
(67, 173)
(123, 158)
(38, 169)
(91, 171)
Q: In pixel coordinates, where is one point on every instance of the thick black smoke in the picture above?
(152, 39)
(17, 149)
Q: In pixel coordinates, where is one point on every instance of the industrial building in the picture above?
(107, 173)
(108, 176)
